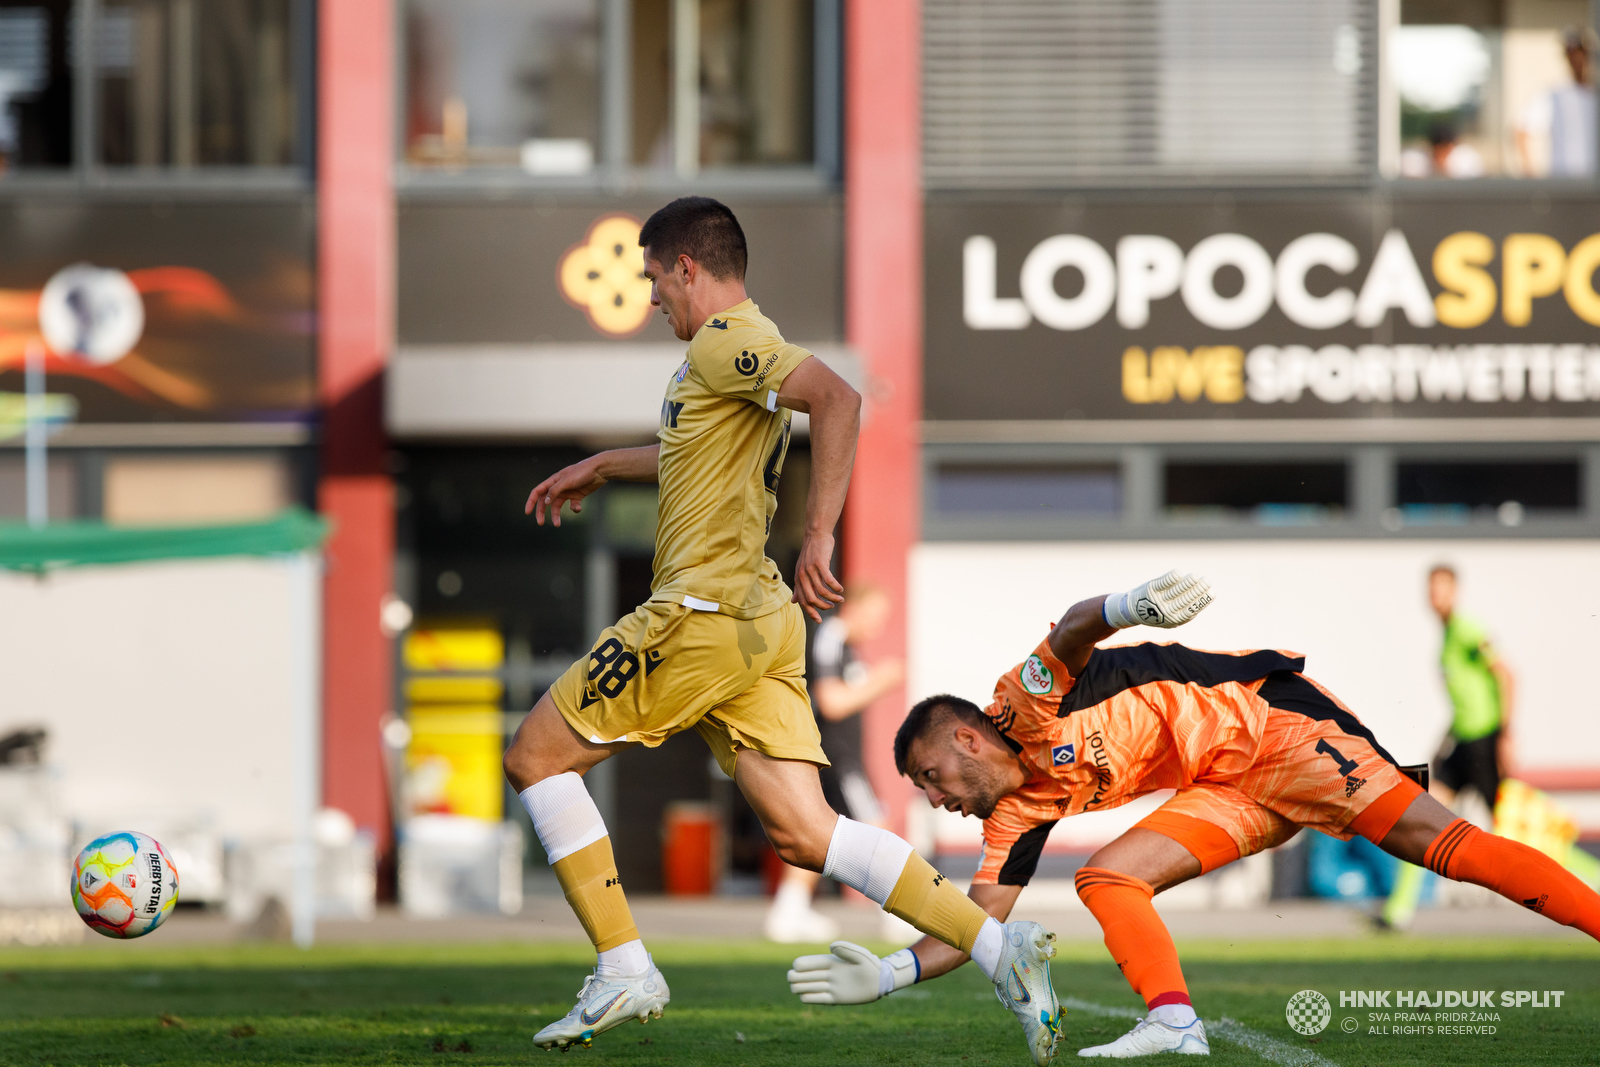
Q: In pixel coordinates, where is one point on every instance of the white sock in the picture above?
(791, 896)
(563, 814)
(1179, 1015)
(566, 820)
(986, 950)
(866, 859)
(627, 959)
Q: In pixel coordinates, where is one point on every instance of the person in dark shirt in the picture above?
(842, 687)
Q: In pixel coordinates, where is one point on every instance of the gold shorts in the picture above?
(740, 682)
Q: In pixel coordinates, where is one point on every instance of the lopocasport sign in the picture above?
(1263, 305)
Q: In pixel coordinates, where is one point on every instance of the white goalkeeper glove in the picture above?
(1170, 600)
(851, 975)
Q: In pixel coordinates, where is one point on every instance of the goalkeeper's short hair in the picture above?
(928, 713)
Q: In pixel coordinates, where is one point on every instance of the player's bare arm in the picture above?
(835, 411)
(571, 484)
(1507, 683)
(838, 699)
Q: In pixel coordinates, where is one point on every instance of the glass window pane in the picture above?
(1279, 494)
(755, 82)
(503, 83)
(188, 83)
(1043, 492)
(35, 84)
(1494, 100)
(652, 83)
(1455, 491)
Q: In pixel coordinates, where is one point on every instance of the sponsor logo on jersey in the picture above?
(1063, 755)
(746, 363)
(1036, 677)
(1352, 783)
(718, 324)
(1102, 770)
(652, 660)
(683, 372)
(766, 369)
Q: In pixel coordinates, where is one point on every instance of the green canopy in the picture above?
(72, 544)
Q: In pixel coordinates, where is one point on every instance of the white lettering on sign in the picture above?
(1149, 268)
(1480, 374)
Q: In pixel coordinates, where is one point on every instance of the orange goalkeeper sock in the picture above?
(1515, 871)
(1138, 939)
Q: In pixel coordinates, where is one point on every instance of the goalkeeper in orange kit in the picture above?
(1254, 749)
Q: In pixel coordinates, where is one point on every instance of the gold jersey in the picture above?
(723, 439)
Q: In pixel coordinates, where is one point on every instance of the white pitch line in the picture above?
(1268, 1048)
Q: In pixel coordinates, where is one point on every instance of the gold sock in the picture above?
(927, 900)
(589, 879)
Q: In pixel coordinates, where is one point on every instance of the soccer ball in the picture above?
(124, 884)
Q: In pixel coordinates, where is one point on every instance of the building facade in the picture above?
(1225, 282)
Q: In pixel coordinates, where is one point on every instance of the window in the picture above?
(170, 83)
(503, 82)
(1480, 95)
(1277, 494)
(1038, 93)
(1449, 493)
(35, 85)
(1090, 492)
(755, 82)
(562, 87)
(184, 83)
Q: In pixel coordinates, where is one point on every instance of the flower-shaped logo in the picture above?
(603, 275)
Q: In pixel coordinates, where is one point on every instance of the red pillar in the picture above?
(883, 322)
(355, 270)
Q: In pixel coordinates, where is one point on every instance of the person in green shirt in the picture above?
(1476, 752)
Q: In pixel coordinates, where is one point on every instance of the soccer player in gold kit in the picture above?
(720, 644)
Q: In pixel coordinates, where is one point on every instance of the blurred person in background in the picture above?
(1566, 115)
(842, 687)
(1450, 158)
(1476, 753)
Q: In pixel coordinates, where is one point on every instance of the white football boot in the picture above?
(1022, 982)
(1150, 1035)
(604, 1003)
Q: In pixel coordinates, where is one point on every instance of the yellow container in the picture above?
(455, 648)
(455, 690)
(453, 763)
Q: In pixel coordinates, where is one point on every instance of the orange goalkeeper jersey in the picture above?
(1140, 718)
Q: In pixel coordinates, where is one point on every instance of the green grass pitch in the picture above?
(480, 1005)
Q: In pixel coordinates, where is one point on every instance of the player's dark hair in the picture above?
(702, 229)
(925, 713)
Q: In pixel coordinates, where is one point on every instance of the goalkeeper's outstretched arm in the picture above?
(849, 974)
(1170, 600)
